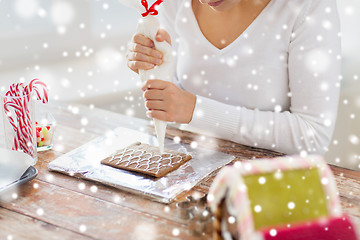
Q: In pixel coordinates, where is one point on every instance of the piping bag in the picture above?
(148, 26)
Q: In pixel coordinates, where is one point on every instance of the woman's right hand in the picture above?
(142, 54)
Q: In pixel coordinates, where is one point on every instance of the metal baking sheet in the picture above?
(28, 175)
(84, 162)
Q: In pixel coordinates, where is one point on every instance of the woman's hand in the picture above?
(142, 54)
(165, 101)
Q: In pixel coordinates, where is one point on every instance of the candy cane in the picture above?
(22, 126)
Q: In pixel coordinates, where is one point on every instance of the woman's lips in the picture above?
(215, 4)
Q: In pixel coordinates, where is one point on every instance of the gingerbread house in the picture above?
(279, 199)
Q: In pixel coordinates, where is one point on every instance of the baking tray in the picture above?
(84, 162)
(28, 175)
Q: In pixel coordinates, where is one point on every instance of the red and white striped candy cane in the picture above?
(18, 98)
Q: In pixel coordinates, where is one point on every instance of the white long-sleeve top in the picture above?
(275, 87)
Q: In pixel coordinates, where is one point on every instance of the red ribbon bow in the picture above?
(151, 10)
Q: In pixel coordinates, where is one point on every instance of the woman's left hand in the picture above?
(165, 101)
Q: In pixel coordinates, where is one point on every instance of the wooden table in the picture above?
(56, 206)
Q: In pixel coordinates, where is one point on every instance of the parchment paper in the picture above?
(84, 162)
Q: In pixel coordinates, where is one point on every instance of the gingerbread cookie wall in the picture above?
(147, 159)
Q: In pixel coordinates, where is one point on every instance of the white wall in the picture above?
(77, 47)
(349, 11)
(26, 26)
(345, 147)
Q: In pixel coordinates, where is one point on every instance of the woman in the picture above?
(262, 73)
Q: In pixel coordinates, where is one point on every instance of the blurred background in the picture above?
(78, 48)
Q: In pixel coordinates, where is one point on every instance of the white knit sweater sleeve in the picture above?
(313, 70)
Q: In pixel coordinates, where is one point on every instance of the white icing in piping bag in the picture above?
(149, 26)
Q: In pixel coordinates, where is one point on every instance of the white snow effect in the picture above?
(82, 228)
(317, 61)
(145, 231)
(81, 186)
(327, 24)
(349, 10)
(278, 175)
(117, 199)
(327, 122)
(231, 62)
(61, 30)
(291, 205)
(62, 13)
(84, 121)
(176, 232)
(248, 167)
(231, 220)
(74, 110)
(303, 153)
(49, 177)
(310, 133)
(167, 209)
(194, 144)
(65, 82)
(324, 181)
(257, 208)
(210, 197)
(177, 139)
(262, 180)
(14, 196)
(324, 86)
(41, 13)
(130, 112)
(40, 211)
(354, 139)
(93, 189)
(59, 147)
(273, 232)
(277, 108)
(26, 8)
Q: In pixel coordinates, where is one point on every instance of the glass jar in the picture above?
(45, 128)
(19, 123)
